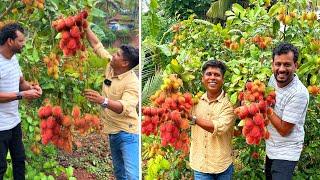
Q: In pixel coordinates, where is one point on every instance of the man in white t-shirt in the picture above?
(13, 87)
(284, 146)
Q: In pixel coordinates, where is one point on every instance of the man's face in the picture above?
(118, 60)
(17, 44)
(212, 79)
(283, 68)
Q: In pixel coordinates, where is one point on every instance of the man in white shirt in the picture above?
(13, 87)
(284, 146)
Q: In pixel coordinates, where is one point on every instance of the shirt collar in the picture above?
(218, 99)
(120, 76)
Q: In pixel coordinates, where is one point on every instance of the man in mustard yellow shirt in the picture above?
(212, 130)
(119, 100)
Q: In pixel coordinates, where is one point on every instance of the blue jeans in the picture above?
(125, 155)
(225, 175)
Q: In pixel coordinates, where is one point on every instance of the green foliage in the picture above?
(66, 90)
(109, 37)
(156, 166)
(191, 42)
(183, 9)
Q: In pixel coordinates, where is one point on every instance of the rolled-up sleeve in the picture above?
(225, 121)
(102, 52)
(130, 98)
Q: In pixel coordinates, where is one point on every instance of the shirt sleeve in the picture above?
(225, 120)
(130, 98)
(101, 51)
(295, 108)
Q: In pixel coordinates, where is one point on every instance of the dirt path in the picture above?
(91, 158)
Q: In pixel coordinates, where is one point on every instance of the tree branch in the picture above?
(8, 9)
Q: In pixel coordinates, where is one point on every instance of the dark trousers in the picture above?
(276, 169)
(12, 140)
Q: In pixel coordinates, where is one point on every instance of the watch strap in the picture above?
(105, 103)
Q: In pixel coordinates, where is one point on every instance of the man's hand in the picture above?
(31, 94)
(93, 96)
(37, 87)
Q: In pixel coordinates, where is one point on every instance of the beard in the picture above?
(17, 50)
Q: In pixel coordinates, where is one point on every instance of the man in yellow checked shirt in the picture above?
(119, 100)
(212, 131)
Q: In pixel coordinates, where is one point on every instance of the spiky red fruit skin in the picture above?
(72, 44)
(61, 24)
(43, 124)
(66, 121)
(56, 130)
(258, 119)
(48, 134)
(84, 14)
(57, 112)
(51, 122)
(45, 140)
(76, 112)
(65, 35)
(75, 32)
(70, 21)
(45, 112)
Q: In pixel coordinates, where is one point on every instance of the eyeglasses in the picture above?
(107, 82)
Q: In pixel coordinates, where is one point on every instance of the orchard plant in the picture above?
(245, 44)
(56, 57)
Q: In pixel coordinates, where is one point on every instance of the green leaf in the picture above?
(241, 123)
(69, 171)
(165, 49)
(97, 13)
(237, 9)
(47, 86)
(153, 5)
(313, 79)
(35, 55)
(234, 97)
(99, 31)
(274, 10)
(31, 128)
(176, 67)
(275, 27)
(29, 119)
(235, 78)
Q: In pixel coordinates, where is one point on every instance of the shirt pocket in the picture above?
(115, 95)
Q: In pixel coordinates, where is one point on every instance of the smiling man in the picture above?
(213, 120)
(285, 144)
(118, 100)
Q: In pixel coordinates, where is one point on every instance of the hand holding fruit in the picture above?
(31, 94)
(37, 87)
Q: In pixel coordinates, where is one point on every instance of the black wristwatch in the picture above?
(19, 95)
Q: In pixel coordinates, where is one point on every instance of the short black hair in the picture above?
(216, 64)
(131, 54)
(285, 48)
(9, 31)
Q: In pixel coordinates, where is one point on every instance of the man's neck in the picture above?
(117, 72)
(214, 95)
(282, 85)
(5, 51)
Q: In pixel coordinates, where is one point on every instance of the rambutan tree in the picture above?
(58, 58)
(245, 43)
